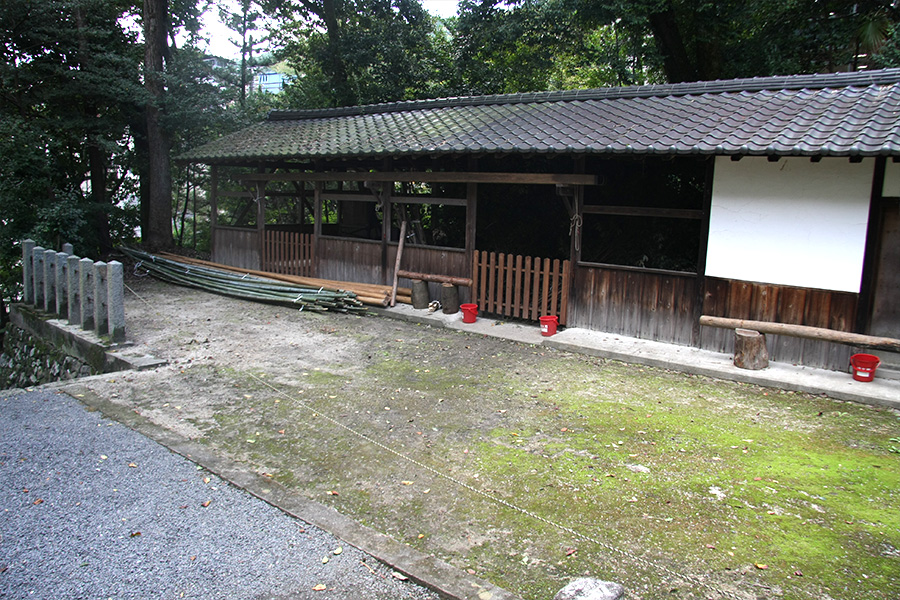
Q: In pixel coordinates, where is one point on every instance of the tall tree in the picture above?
(361, 51)
(157, 206)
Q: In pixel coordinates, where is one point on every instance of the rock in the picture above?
(591, 589)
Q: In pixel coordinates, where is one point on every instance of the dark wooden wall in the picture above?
(781, 304)
(236, 247)
(342, 259)
(646, 305)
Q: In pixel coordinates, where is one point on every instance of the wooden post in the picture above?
(420, 297)
(397, 262)
(750, 350)
(213, 208)
(449, 299)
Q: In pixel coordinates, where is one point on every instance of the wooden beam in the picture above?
(640, 211)
(430, 177)
(804, 331)
(461, 281)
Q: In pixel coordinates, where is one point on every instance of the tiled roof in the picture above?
(843, 114)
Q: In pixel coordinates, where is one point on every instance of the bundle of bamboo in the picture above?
(247, 286)
(367, 293)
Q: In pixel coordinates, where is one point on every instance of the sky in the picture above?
(219, 34)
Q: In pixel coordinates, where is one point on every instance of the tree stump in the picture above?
(449, 299)
(420, 297)
(750, 350)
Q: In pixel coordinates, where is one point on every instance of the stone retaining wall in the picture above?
(27, 361)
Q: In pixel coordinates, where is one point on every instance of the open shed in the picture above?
(630, 210)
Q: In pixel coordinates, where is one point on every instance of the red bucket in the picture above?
(863, 366)
(548, 325)
(470, 312)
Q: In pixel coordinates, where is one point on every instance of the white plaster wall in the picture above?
(791, 222)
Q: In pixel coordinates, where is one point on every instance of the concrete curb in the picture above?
(427, 571)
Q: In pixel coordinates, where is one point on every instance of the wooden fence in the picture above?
(289, 253)
(521, 287)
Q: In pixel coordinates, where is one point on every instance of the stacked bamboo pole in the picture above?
(367, 293)
(247, 287)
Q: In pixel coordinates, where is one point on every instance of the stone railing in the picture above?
(89, 294)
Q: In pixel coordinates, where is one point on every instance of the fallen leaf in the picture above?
(135, 534)
(320, 587)
(324, 559)
(398, 575)
(338, 550)
(571, 551)
(206, 480)
(281, 431)
(564, 429)
(38, 501)
(761, 567)
(194, 557)
(711, 546)
(132, 465)
(406, 482)
(207, 503)
(103, 457)
(333, 493)
(798, 573)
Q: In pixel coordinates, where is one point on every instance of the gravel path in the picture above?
(91, 509)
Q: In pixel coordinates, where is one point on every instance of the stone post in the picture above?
(86, 290)
(74, 287)
(38, 272)
(49, 280)
(68, 248)
(27, 272)
(62, 285)
(101, 307)
(116, 298)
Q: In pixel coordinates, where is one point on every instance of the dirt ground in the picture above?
(527, 466)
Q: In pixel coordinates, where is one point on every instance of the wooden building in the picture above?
(627, 210)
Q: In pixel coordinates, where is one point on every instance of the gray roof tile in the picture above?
(833, 114)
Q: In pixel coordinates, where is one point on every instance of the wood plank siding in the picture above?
(344, 259)
(237, 247)
(781, 304)
(646, 305)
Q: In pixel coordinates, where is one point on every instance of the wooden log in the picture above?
(449, 299)
(420, 297)
(397, 262)
(460, 281)
(750, 351)
(803, 331)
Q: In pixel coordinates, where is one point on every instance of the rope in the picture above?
(575, 225)
(608, 547)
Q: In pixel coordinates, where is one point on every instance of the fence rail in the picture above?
(289, 253)
(522, 287)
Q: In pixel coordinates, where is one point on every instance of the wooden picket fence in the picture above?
(520, 287)
(289, 253)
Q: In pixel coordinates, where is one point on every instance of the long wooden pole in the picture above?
(461, 281)
(804, 331)
(397, 262)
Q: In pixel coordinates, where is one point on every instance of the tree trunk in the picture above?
(676, 63)
(158, 235)
(750, 350)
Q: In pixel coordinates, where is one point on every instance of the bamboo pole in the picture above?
(371, 290)
(805, 331)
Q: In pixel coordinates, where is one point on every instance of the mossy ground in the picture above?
(530, 467)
